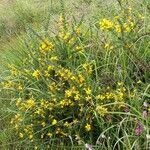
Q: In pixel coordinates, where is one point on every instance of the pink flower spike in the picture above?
(139, 129)
(144, 114)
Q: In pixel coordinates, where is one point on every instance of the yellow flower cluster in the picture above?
(124, 22)
(36, 74)
(70, 96)
(46, 46)
(102, 111)
(118, 96)
(28, 104)
(11, 85)
(106, 24)
(68, 35)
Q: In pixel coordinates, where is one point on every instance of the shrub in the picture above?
(59, 91)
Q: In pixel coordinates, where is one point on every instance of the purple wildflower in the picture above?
(126, 109)
(139, 129)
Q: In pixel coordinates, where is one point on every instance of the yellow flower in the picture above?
(49, 134)
(8, 84)
(46, 74)
(119, 96)
(43, 124)
(20, 135)
(54, 58)
(141, 16)
(85, 66)
(72, 40)
(126, 27)
(75, 121)
(39, 111)
(118, 28)
(109, 95)
(20, 87)
(66, 124)
(66, 36)
(108, 46)
(100, 97)
(30, 103)
(88, 91)
(88, 98)
(50, 68)
(46, 46)
(101, 110)
(18, 101)
(77, 96)
(120, 83)
(106, 24)
(88, 68)
(88, 127)
(77, 31)
(68, 93)
(79, 48)
(30, 136)
(13, 70)
(80, 79)
(54, 122)
(132, 24)
(36, 74)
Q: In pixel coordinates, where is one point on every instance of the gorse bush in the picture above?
(78, 85)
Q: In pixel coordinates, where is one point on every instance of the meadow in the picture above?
(74, 74)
